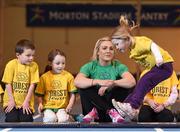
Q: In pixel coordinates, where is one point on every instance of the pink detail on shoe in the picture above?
(93, 114)
(115, 116)
(125, 108)
(88, 119)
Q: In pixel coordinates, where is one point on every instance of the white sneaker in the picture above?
(124, 109)
(116, 106)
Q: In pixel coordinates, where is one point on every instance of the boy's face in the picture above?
(58, 64)
(26, 57)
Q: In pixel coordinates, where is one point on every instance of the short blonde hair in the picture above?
(98, 44)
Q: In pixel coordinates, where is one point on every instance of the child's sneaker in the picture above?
(115, 116)
(79, 117)
(93, 114)
(125, 109)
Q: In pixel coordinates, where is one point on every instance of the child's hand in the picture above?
(159, 62)
(11, 105)
(40, 108)
(68, 109)
(26, 108)
(159, 108)
(152, 104)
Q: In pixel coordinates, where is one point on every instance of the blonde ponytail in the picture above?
(124, 30)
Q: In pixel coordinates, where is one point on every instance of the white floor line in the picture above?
(6, 130)
(158, 129)
(36, 116)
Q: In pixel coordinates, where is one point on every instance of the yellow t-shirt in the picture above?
(141, 53)
(55, 88)
(1, 90)
(162, 91)
(20, 77)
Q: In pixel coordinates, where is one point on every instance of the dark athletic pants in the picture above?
(90, 99)
(16, 115)
(147, 114)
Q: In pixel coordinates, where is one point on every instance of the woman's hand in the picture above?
(105, 83)
(102, 90)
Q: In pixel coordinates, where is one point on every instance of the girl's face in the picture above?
(26, 57)
(58, 64)
(106, 51)
(121, 44)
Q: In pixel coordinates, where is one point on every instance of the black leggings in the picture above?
(16, 115)
(147, 114)
(90, 99)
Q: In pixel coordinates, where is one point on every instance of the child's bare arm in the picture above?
(71, 102)
(11, 103)
(27, 100)
(40, 102)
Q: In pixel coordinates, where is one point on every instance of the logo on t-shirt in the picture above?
(22, 77)
(56, 92)
(104, 75)
(160, 91)
(56, 84)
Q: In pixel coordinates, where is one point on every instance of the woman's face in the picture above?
(106, 51)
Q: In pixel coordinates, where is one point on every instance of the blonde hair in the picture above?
(97, 46)
(125, 28)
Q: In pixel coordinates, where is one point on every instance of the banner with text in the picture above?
(44, 15)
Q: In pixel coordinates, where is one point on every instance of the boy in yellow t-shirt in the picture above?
(56, 90)
(20, 76)
(158, 102)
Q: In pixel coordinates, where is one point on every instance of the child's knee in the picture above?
(49, 119)
(49, 116)
(62, 116)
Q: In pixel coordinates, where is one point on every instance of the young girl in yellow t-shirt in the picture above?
(146, 53)
(56, 90)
